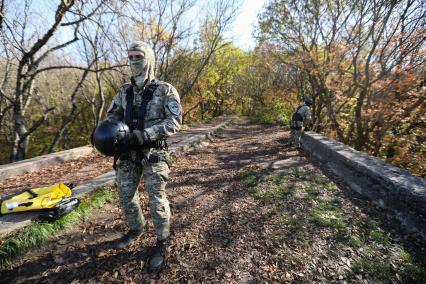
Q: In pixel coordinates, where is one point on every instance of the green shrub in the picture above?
(272, 112)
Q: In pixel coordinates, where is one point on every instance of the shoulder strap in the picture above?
(297, 110)
(32, 193)
(129, 106)
(146, 97)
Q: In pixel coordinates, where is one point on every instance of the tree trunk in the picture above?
(20, 143)
(359, 127)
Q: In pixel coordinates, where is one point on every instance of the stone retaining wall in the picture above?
(386, 185)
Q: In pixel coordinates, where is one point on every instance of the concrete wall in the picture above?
(34, 164)
(386, 185)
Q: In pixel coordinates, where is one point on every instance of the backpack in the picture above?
(296, 115)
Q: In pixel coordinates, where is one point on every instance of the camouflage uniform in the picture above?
(297, 126)
(163, 118)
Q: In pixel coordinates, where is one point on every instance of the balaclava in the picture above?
(142, 62)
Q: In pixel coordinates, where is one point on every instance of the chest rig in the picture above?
(134, 116)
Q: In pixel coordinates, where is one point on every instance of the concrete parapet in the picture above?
(34, 164)
(386, 185)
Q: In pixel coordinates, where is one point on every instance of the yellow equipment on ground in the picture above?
(35, 199)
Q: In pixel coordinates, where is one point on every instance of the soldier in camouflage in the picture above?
(152, 110)
(301, 117)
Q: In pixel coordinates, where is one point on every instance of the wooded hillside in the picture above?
(363, 63)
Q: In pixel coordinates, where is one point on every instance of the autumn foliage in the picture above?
(363, 63)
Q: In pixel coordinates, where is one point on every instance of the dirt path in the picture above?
(246, 209)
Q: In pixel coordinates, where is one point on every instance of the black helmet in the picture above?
(110, 136)
(308, 101)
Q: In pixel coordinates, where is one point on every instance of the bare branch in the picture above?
(60, 12)
(83, 17)
(36, 124)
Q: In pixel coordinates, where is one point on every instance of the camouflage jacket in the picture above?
(305, 112)
(163, 116)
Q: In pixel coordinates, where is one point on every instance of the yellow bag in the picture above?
(35, 199)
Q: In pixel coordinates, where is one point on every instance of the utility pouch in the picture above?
(155, 158)
(157, 145)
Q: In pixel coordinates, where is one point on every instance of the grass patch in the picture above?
(382, 271)
(36, 234)
(350, 240)
(369, 231)
(414, 272)
(312, 183)
(286, 185)
(370, 224)
(250, 180)
(273, 186)
(355, 241)
(377, 270)
(281, 191)
(373, 231)
(379, 236)
(327, 215)
(296, 224)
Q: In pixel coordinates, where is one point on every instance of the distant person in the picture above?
(301, 120)
(141, 117)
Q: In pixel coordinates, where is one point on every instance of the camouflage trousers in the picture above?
(155, 175)
(296, 134)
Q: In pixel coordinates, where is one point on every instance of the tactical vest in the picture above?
(134, 117)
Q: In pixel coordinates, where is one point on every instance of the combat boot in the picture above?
(127, 239)
(158, 256)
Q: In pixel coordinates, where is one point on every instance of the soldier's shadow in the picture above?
(78, 264)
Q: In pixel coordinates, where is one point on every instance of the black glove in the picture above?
(138, 137)
(133, 140)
